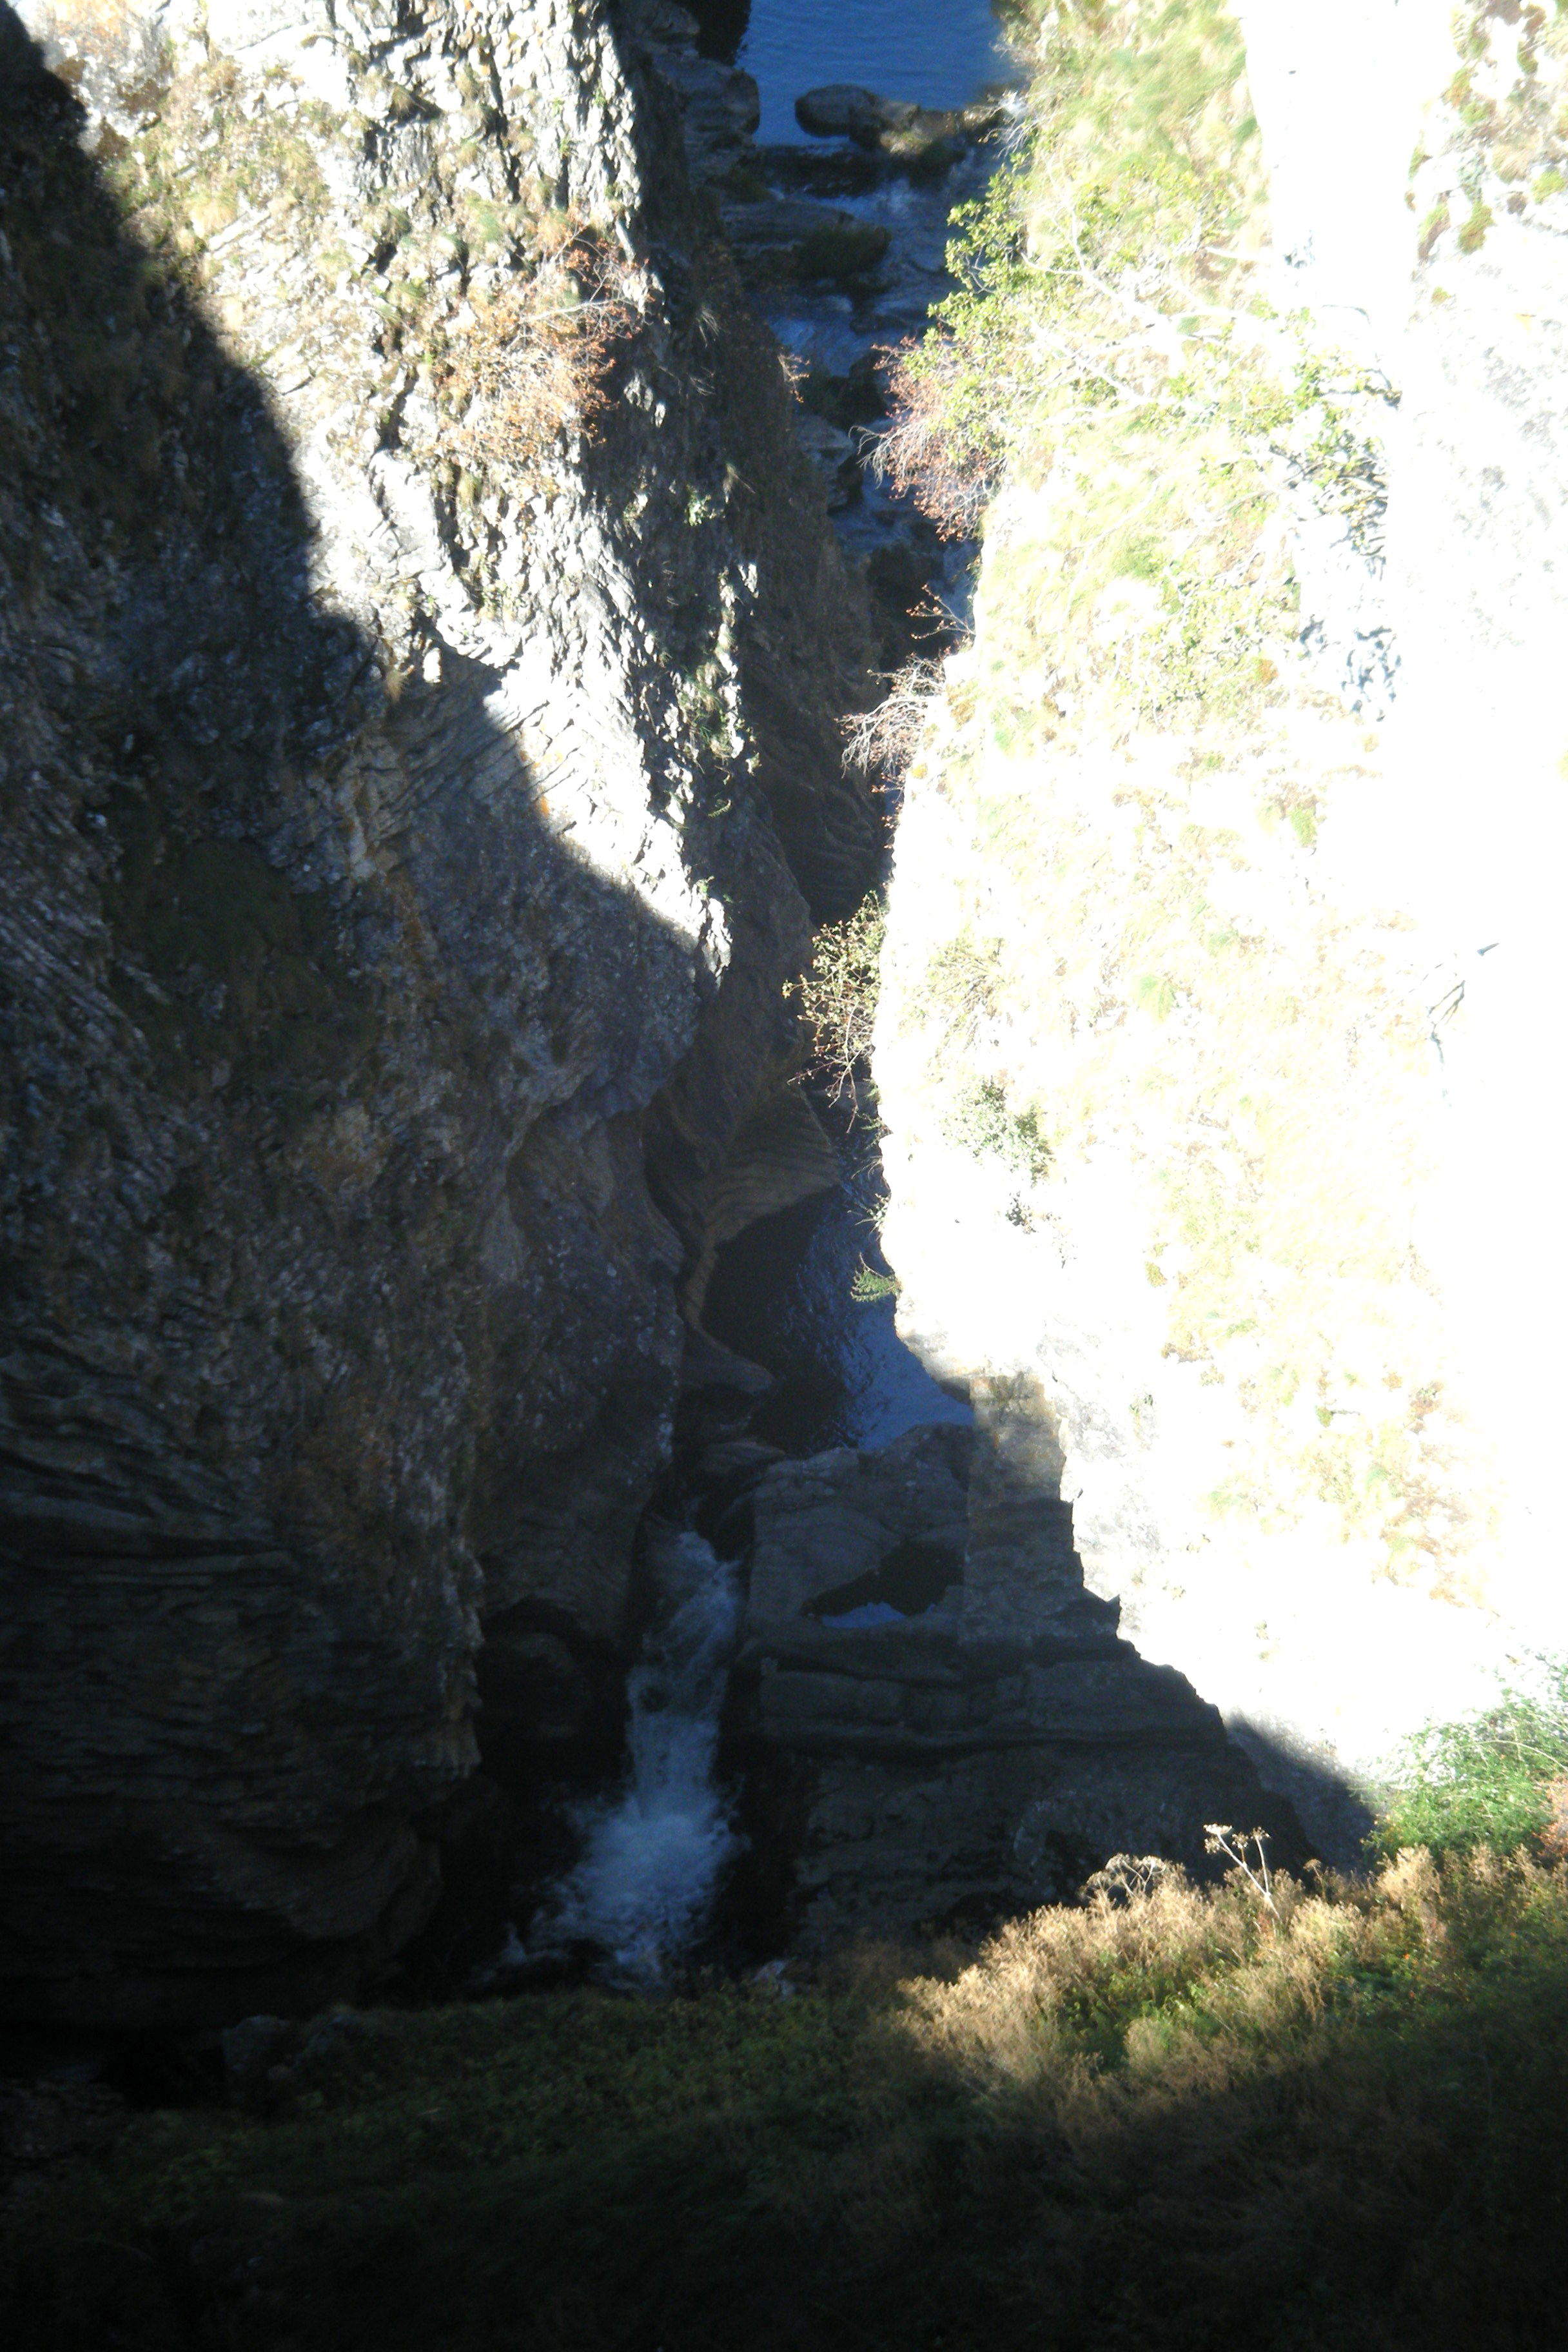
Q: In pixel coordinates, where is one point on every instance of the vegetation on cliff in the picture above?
(1109, 905)
(1107, 357)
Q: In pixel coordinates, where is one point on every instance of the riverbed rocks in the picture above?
(937, 1718)
(412, 823)
(835, 454)
(920, 138)
(789, 238)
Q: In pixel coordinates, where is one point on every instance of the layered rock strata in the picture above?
(940, 1723)
(415, 803)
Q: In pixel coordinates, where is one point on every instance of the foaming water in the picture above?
(641, 1890)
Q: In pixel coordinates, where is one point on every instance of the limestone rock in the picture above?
(940, 1721)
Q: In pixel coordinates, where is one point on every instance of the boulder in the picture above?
(843, 110)
(832, 454)
(916, 136)
(785, 237)
(941, 1722)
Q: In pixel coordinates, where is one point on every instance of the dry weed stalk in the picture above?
(1235, 1844)
(949, 468)
(795, 370)
(881, 740)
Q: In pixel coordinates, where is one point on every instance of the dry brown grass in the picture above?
(1145, 1998)
(539, 357)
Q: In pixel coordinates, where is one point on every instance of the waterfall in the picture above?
(641, 1888)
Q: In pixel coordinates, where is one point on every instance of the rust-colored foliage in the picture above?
(936, 450)
(540, 356)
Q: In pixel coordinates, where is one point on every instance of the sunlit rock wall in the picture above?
(1220, 1073)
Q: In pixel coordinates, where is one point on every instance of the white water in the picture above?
(642, 1887)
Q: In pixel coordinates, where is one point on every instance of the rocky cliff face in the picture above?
(423, 654)
(942, 1724)
(1215, 1026)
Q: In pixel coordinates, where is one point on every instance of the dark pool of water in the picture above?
(937, 52)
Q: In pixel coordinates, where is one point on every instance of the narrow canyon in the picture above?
(513, 1463)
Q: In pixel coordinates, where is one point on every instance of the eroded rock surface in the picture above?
(941, 1723)
(410, 829)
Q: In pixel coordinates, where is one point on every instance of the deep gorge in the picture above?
(522, 1476)
(435, 921)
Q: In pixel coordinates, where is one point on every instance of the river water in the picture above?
(937, 52)
(652, 1854)
(652, 1851)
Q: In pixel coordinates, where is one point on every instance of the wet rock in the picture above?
(740, 1457)
(821, 171)
(778, 1155)
(834, 456)
(842, 250)
(724, 1477)
(918, 138)
(788, 237)
(720, 110)
(856, 398)
(706, 1363)
(845, 110)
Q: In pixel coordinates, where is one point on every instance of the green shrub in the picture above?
(867, 1287)
(979, 1119)
(838, 995)
(1488, 1780)
(1107, 345)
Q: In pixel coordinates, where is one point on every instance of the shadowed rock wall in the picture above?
(408, 840)
(939, 1723)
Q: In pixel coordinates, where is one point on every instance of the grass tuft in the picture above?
(1170, 2117)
